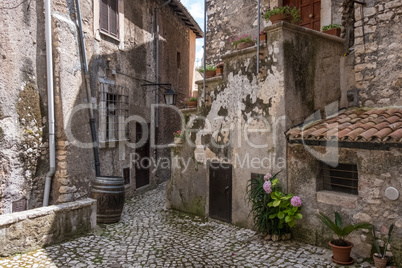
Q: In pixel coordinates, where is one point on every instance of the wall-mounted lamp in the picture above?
(169, 95)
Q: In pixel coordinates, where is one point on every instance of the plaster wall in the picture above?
(244, 115)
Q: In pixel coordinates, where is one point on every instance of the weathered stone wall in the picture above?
(128, 62)
(28, 230)
(229, 126)
(22, 104)
(377, 170)
(377, 52)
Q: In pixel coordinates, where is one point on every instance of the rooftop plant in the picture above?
(242, 39)
(207, 68)
(331, 26)
(286, 10)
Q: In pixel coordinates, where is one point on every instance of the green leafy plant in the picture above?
(283, 208)
(382, 254)
(192, 99)
(338, 229)
(285, 10)
(207, 68)
(178, 134)
(331, 26)
(242, 39)
(271, 213)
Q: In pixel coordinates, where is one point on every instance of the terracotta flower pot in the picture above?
(219, 71)
(280, 17)
(341, 255)
(209, 74)
(244, 45)
(263, 38)
(192, 104)
(334, 31)
(380, 263)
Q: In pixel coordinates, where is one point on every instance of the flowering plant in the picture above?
(178, 134)
(219, 65)
(273, 211)
(242, 39)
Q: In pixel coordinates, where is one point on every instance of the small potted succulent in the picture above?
(380, 258)
(340, 247)
(219, 69)
(191, 102)
(263, 37)
(332, 29)
(243, 41)
(210, 71)
(285, 13)
(178, 137)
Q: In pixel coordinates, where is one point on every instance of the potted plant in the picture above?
(274, 213)
(219, 69)
(210, 71)
(332, 29)
(178, 137)
(340, 247)
(263, 37)
(192, 102)
(243, 41)
(380, 258)
(285, 13)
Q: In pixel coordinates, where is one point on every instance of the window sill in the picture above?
(337, 198)
(109, 35)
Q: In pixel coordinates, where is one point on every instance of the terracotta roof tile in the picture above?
(355, 125)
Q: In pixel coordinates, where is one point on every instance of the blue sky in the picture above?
(196, 8)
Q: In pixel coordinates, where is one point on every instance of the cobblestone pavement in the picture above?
(151, 236)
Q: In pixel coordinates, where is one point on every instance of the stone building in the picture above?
(120, 38)
(316, 103)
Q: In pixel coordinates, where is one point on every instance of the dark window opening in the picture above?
(178, 60)
(109, 17)
(126, 175)
(343, 178)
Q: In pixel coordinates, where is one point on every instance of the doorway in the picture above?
(310, 12)
(220, 191)
(143, 165)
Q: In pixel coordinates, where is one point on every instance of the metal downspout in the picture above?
(89, 96)
(205, 48)
(50, 99)
(258, 38)
(157, 72)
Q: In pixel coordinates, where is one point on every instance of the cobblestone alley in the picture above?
(151, 236)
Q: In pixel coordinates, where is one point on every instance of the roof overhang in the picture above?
(186, 17)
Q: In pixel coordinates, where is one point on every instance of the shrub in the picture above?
(331, 26)
(286, 10)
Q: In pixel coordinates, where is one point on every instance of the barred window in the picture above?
(113, 111)
(343, 178)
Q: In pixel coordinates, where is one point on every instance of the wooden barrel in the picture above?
(109, 193)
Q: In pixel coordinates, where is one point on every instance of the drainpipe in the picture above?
(157, 71)
(50, 99)
(205, 49)
(258, 38)
(89, 96)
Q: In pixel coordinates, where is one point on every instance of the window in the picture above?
(343, 178)
(113, 111)
(109, 17)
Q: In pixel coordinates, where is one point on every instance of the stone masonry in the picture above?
(378, 55)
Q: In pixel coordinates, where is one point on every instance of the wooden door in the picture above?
(143, 164)
(220, 192)
(310, 12)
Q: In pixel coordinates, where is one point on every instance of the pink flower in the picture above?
(267, 176)
(267, 187)
(296, 201)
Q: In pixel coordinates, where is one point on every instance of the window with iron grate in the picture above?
(343, 178)
(113, 111)
(109, 17)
